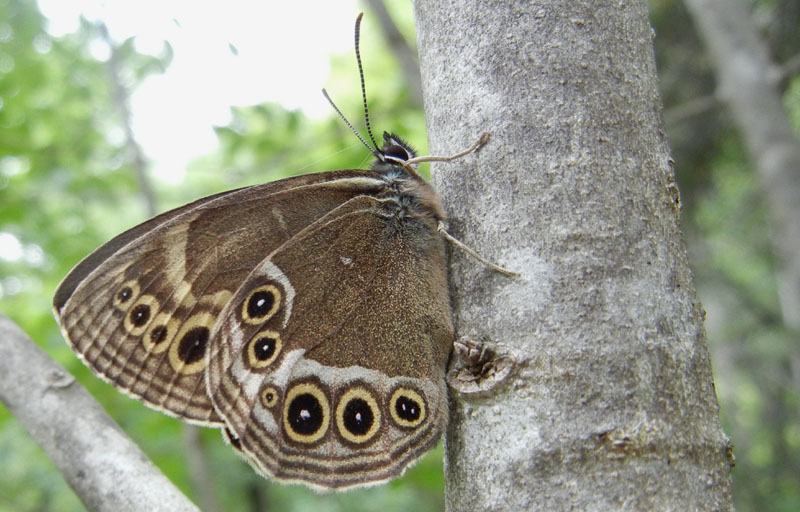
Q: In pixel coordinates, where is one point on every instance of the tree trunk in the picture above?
(612, 403)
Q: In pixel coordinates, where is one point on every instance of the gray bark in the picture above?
(748, 81)
(103, 466)
(612, 404)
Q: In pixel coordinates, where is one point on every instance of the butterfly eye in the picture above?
(125, 294)
(407, 407)
(358, 417)
(160, 331)
(396, 153)
(140, 315)
(193, 345)
(395, 150)
(306, 413)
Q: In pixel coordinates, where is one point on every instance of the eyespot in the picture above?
(160, 332)
(187, 353)
(407, 407)
(263, 349)
(306, 413)
(193, 344)
(261, 304)
(358, 417)
(126, 294)
(269, 397)
(138, 317)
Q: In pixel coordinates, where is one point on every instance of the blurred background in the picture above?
(110, 111)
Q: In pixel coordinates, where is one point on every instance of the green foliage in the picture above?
(67, 185)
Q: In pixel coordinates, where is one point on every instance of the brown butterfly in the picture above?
(309, 318)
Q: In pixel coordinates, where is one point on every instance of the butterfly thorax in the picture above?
(415, 197)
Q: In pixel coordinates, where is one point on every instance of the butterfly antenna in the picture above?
(349, 125)
(361, 75)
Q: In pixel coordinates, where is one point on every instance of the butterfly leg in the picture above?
(461, 245)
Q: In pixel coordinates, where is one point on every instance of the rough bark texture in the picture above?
(103, 466)
(612, 405)
(747, 80)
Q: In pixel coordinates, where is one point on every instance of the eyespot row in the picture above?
(306, 411)
(158, 329)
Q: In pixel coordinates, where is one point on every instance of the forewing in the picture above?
(139, 311)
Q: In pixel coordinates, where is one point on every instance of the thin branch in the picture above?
(702, 104)
(689, 109)
(791, 66)
(121, 104)
(103, 466)
(402, 50)
(785, 73)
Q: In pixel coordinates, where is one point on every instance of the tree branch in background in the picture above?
(197, 458)
(120, 96)
(702, 104)
(401, 49)
(746, 82)
(790, 68)
(103, 466)
(689, 109)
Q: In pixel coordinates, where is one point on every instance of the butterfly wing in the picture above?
(139, 311)
(330, 369)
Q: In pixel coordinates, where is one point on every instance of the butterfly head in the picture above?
(394, 153)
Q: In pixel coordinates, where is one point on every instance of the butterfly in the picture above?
(308, 318)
